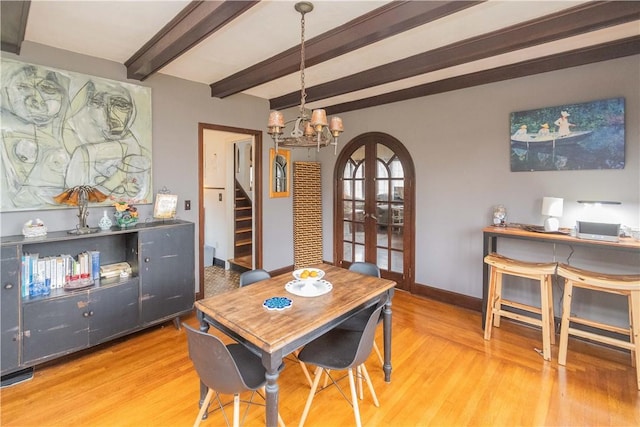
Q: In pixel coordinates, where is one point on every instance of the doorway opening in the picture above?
(230, 198)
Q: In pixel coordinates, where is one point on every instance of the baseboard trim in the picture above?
(448, 297)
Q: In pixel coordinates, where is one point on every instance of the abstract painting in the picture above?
(62, 129)
(569, 137)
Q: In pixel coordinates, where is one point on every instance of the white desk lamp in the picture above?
(551, 208)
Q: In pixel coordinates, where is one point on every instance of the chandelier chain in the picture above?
(303, 92)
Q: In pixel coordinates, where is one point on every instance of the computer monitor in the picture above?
(598, 231)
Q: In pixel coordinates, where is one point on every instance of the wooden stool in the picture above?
(628, 285)
(542, 272)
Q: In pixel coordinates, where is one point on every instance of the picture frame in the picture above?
(165, 206)
(120, 165)
(589, 135)
(279, 173)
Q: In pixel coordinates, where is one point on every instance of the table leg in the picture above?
(386, 324)
(204, 327)
(272, 363)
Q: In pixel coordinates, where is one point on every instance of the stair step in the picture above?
(243, 242)
(243, 230)
(243, 218)
(243, 208)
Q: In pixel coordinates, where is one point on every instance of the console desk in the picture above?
(492, 233)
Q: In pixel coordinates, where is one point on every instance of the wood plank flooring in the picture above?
(444, 374)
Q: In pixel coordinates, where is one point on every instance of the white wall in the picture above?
(215, 169)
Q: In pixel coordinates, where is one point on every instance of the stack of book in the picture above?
(40, 274)
(115, 270)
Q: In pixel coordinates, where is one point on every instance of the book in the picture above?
(95, 264)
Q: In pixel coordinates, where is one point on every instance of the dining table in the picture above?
(274, 332)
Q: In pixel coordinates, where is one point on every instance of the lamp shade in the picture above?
(552, 206)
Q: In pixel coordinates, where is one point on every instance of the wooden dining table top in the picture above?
(241, 310)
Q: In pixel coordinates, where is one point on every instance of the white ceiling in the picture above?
(116, 30)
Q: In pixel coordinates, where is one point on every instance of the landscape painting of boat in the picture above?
(569, 137)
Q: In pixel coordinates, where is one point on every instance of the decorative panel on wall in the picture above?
(307, 214)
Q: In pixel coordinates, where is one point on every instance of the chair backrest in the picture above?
(253, 276)
(213, 362)
(368, 334)
(365, 268)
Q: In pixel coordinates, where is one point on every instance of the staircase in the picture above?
(243, 232)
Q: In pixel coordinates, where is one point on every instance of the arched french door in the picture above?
(374, 207)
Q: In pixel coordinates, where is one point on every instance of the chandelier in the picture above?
(307, 131)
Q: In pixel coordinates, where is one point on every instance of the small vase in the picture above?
(105, 222)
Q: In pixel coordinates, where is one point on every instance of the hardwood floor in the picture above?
(444, 374)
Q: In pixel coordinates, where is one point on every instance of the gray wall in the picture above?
(458, 141)
(178, 107)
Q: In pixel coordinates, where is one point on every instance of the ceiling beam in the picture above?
(13, 23)
(602, 52)
(195, 22)
(581, 19)
(386, 21)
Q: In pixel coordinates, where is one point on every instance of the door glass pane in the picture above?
(358, 155)
(382, 189)
(397, 261)
(397, 190)
(347, 254)
(382, 212)
(358, 253)
(359, 172)
(347, 231)
(382, 236)
(358, 229)
(349, 169)
(383, 171)
(396, 168)
(358, 211)
(358, 190)
(383, 260)
(384, 153)
(396, 237)
(347, 189)
(347, 210)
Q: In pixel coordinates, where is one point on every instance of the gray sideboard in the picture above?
(161, 287)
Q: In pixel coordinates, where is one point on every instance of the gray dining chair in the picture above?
(358, 321)
(339, 350)
(256, 275)
(253, 276)
(227, 369)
